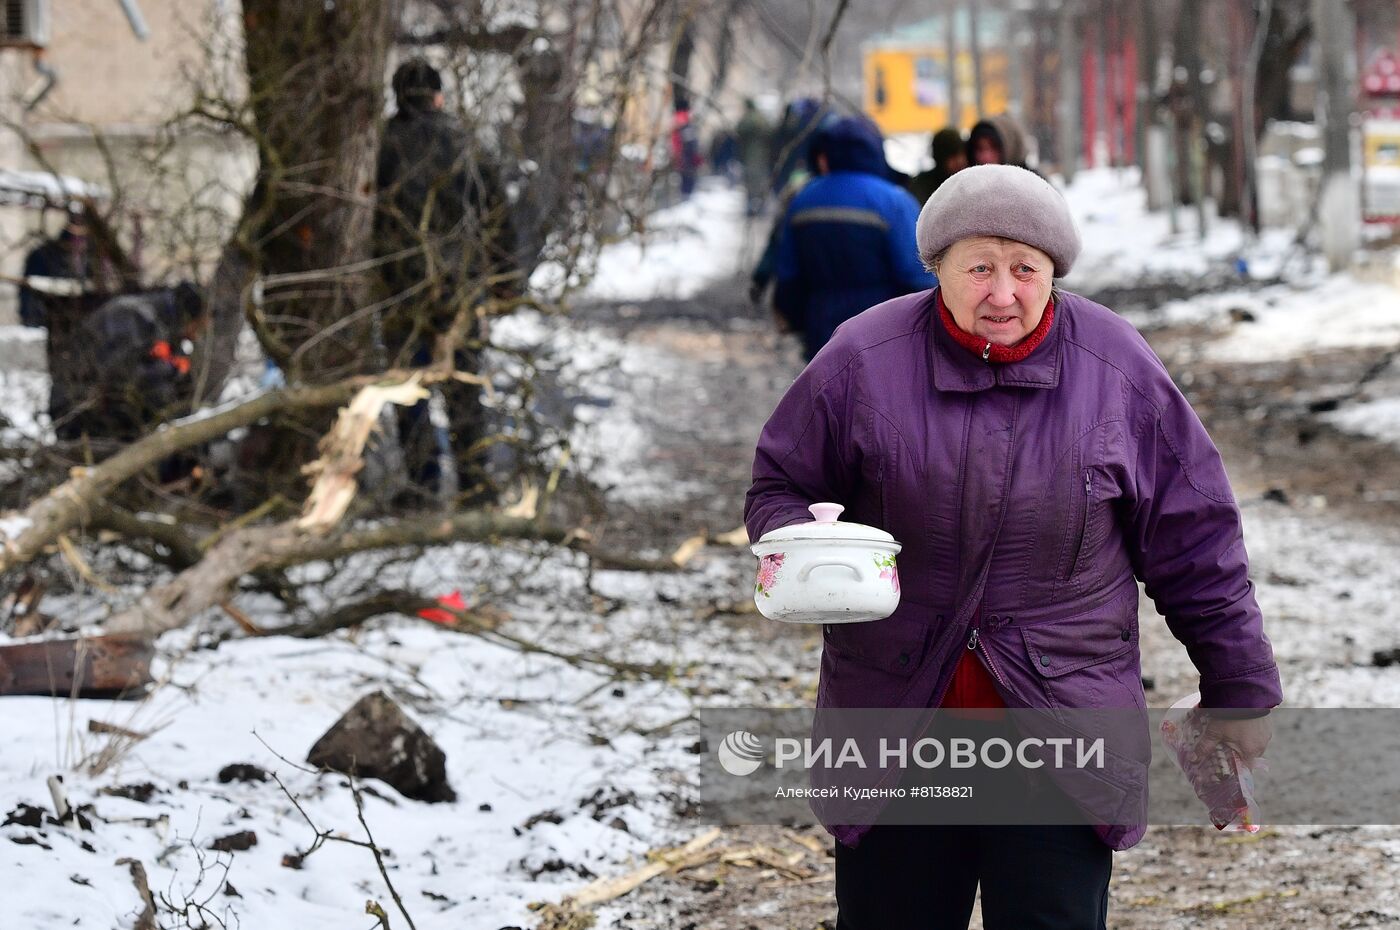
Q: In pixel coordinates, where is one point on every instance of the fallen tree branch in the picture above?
(75, 561)
(242, 520)
(348, 616)
(111, 729)
(253, 549)
(342, 451)
(378, 859)
(409, 604)
(625, 563)
(183, 550)
(282, 545)
(573, 910)
(146, 920)
(74, 501)
(656, 670)
(244, 621)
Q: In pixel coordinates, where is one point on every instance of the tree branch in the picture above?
(282, 545)
(506, 40)
(184, 550)
(72, 502)
(409, 604)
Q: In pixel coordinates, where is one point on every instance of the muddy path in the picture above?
(724, 370)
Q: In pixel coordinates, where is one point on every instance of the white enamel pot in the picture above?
(826, 571)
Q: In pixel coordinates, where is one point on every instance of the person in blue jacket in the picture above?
(847, 242)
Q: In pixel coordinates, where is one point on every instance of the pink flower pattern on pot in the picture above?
(887, 570)
(768, 568)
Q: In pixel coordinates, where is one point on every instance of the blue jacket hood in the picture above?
(852, 143)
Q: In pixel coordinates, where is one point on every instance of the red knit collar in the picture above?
(987, 351)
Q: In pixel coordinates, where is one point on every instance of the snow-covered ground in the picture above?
(1125, 245)
(677, 252)
(1379, 419)
(525, 734)
(682, 249)
(517, 732)
(1287, 320)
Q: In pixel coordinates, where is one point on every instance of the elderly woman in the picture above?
(1035, 459)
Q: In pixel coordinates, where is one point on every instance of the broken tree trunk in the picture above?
(91, 666)
(71, 503)
(282, 545)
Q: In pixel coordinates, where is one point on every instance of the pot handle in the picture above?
(826, 513)
(833, 563)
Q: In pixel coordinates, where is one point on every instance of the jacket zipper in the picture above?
(975, 640)
(1083, 525)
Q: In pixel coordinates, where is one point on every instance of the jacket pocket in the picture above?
(1081, 536)
(895, 645)
(1059, 647)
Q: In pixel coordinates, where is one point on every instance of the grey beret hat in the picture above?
(999, 200)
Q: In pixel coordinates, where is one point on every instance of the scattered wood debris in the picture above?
(115, 665)
(688, 549)
(699, 861)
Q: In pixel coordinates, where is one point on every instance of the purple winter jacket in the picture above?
(1036, 491)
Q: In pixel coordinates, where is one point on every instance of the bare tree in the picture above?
(553, 100)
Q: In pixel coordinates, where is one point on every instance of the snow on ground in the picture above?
(1125, 245)
(1379, 419)
(525, 734)
(1286, 320)
(682, 249)
(22, 347)
(24, 395)
(1327, 593)
(678, 251)
(507, 761)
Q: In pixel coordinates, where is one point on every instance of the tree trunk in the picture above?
(1340, 208)
(1248, 111)
(951, 46)
(974, 44)
(546, 138)
(1289, 33)
(680, 64)
(1070, 89)
(316, 82)
(316, 91)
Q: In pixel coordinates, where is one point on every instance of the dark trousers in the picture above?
(921, 877)
(466, 424)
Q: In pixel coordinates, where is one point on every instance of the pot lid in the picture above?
(826, 526)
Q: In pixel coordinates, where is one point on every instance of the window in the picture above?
(24, 23)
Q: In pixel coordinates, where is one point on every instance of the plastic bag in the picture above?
(1221, 778)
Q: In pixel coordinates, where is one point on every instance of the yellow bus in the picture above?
(906, 74)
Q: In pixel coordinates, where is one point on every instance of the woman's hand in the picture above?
(1249, 737)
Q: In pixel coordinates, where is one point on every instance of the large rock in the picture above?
(376, 739)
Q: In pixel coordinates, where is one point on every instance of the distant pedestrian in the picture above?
(685, 151)
(997, 140)
(801, 120)
(64, 256)
(847, 239)
(442, 228)
(767, 267)
(724, 154)
(949, 157)
(127, 368)
(754, 137)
